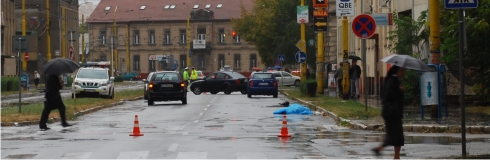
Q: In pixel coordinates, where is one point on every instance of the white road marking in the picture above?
(251, 156)
(173, 147)
(201, 114)
(192, 155)
(185, 133)
(196, 121)
(77, 155)
(133, 155)
(209, 105)
(205, 109)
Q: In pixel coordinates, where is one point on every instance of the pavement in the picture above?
(413, 121)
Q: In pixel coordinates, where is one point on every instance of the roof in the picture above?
(159, 10)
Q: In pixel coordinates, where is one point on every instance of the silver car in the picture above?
(286, 79)
(93, 82)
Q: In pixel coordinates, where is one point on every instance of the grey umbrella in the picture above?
(354, 57)
(406, 61)
(59, 66)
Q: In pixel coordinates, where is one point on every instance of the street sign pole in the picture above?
(363, 53)
(462, 49)
(20, 71)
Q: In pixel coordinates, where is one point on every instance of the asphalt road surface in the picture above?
(215, 127)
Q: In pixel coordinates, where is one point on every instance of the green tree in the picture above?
(408, 44)
(271, 26)
(475, 60)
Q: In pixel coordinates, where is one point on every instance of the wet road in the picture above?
(215, 127)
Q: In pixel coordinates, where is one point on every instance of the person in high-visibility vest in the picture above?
(194, 74)
(186, 77)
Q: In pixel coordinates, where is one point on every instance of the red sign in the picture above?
(26, 56)
(364, 26)
(320, 3)
(320, 13)
(70, 53)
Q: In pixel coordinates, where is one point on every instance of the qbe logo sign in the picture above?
(345, 8)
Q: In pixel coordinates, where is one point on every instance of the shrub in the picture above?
(10, 83)
(118, 79)
(308, 87)
(4, 83)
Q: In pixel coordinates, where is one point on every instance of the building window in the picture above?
(151, 37)
(236, 38)
(183, 36)
(200, 62)
(237, 61)
(221, 61)
(136, 37)
(221, 35)
(103, 57)
(166, 36)
(253, 60)
(183, 61)
(201, 34)
(136, 62)
(102, 38)
(152, 64)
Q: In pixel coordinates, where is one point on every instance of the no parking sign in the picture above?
(364, 26)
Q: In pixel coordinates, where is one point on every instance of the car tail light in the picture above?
(182, 84)
(150, 86)
(250, 83)
(275, 83)
(201, 75)
(238, 81)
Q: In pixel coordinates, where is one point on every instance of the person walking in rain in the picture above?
(37, 79)
(338, 76)
(392, 111)
(194, 74)
(354, 75)
(186, 77)
(53, 101)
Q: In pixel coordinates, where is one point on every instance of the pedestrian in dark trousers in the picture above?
(392, 111)
(354, 75)
(54, 84)
(338, 77)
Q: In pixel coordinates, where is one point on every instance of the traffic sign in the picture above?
(301, 44)
(460, 4)
(364, 26)
(282, 57)
(311, 42)
(300, 57)
(70, 53)
(320, 3)
(320, 23)
(320, 13)
(345, 8)
(26, 56)
(302, 14)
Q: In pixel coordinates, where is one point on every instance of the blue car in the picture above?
(262, 83)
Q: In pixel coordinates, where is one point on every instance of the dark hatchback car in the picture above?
(262, 83)
(225, 81)
(166, 86)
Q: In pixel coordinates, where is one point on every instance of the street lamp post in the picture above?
(188, 37)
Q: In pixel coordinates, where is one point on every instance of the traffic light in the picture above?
(233, 33)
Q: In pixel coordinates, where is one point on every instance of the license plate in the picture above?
(89, 90)
(167, 85)
(263, 84)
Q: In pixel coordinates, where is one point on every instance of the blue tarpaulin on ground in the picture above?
(294, 109)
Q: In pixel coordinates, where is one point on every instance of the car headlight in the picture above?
(76, 83)
(103, 84)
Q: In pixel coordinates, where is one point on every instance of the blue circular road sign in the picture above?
(300, 57)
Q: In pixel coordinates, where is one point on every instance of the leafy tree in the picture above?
(475, 60)
(271, 26)
(408, 44)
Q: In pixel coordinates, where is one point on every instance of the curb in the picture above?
(80, 113)
(418, 128)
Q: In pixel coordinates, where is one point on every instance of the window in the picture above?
(136, 37)
(208, 6)
(220, 76)
(201, 34)
(151, 37)
(136, 62)
(102, 38)
(200, 61)
(167, 6)
(107, 8)
(103, 57)
(221, 61)
(277, 74)
(196, 6)
(172, 6)
(151, 66)
(143, 7)
(183, 62)
(236, 38)
(221, 35)
(253, 60)
(166, 36)
(219, 6)
(183, 36)
(237, 61)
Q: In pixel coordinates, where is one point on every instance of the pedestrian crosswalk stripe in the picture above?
(192, 155)
(76, 155)
(173, 147)
(251, 156)
(133, 155)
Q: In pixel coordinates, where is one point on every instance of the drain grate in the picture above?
(21, 156)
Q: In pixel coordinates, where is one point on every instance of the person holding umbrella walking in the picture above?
(54, 83)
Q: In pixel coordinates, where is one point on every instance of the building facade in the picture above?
(148, 30)
(8, 30)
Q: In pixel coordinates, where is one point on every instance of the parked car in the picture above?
(200, 75)
(226, 68)
(262, 83)
(286, 79)
(166, 86)
(131, 76)
(93, 82)
(145, 88)
(226, 81)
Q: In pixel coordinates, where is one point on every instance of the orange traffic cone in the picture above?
(136, 128)
(284, 129)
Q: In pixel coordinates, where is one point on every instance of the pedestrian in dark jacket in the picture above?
(54, 84)
(354, 75)
(392, 111)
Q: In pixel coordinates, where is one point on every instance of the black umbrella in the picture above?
(354, 57)
(59, 66)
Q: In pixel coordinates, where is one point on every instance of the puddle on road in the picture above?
(30, 139)
(21, 156)
(440, 140)
(93, 139)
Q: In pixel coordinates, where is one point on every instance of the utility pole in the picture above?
(345, 58)
(188, 38)
(24, 63)
(303, 38)
(128, 66)
(320, 24)
(48, 32)
(115, 40)
(63, 30)
(83, 39)
(435, 40)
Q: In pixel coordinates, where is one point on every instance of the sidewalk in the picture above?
(413, 122)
